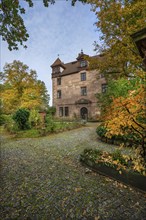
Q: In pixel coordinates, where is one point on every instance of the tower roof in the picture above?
(58, 62)
(81, 55)
(74, 66)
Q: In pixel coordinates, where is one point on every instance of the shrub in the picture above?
(90, 154)
(51, 110)
(21, 118)
(4, 119)
(132, 137)
(9, 124)
(50, 124)
(115, 160)
(34, 118)
(116, 155)
(129, 139)
(101, 131)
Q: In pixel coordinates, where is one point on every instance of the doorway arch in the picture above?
(84, 113)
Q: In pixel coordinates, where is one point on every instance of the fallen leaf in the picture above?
(78, 189)
(96, 218)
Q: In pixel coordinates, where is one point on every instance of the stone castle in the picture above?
(75, 87)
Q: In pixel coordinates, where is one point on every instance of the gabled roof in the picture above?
(58, 62)
(73, 67)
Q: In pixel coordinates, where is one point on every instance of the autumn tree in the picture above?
(116, 21)
(12, 27)
(116, 88)
(126, 115)
(123, 106)
(22, 89)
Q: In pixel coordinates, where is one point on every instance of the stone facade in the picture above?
(74, 89)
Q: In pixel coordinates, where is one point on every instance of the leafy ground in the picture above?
(42, 179)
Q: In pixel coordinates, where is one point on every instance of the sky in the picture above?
(59, 29)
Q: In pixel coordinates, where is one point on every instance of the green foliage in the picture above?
(57, 126)
(122, 86)
(21, 117)
(101, 131)
(12, 127)
(116, 160)
(2, 119)
(45, 97)
(7, 119)
(116, 88)
(90, 154)
(30, 133)
(12, 27)
(9, 124)
(23, 125)
(129, 139)
(50, 124)
(34, 118)
(51, 110)
(117, 155)
(12, 24)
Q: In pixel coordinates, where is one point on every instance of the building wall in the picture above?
(71, 92)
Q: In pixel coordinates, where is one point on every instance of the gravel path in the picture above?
(42, 179)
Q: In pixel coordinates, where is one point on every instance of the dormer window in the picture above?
(56, 69)
(57, 66)
(83, 63)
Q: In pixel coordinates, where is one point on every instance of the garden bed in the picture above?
(40, 131)
(128, 177)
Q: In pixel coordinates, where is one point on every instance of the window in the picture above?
(83, 76)
(63, 111)
(104, 88)
(59, 94)
(83, 90)
(60, 111)
(58, 81)
(83, 63)
(66, 111)
(56, 69)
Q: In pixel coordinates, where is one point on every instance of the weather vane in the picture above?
(59, 54)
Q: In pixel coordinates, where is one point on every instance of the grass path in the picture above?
(42, 179)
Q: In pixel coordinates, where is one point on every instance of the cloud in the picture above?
(58, 29)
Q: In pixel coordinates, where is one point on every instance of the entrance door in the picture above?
(84, 113)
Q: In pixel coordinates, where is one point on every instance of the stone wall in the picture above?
(71, 93)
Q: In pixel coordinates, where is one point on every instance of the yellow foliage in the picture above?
(137, 162)
(124, 112)
(21, 89)
(117, 20)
